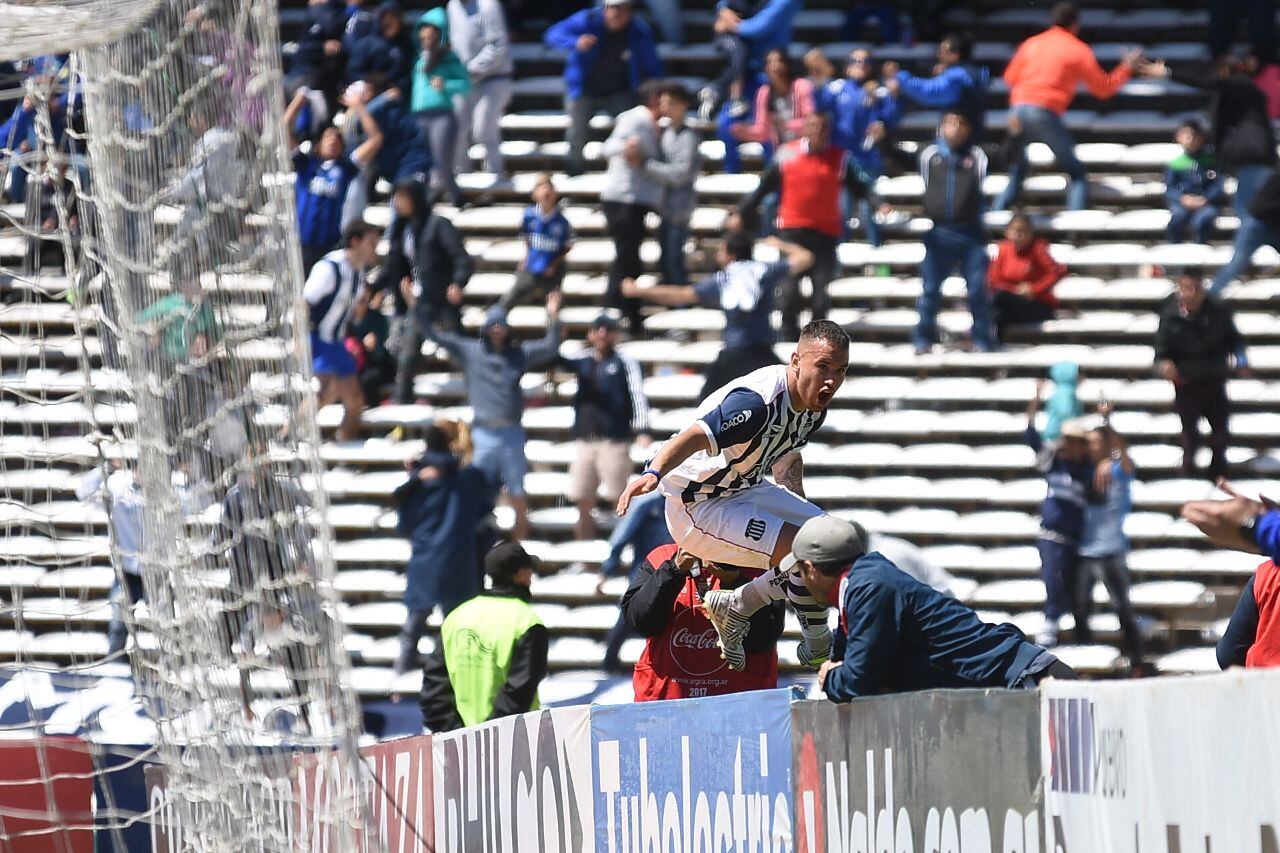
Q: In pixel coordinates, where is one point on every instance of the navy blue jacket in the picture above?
(1193, 174)
(1242, 629)
(609, 402)
(404, 152)
(389, 59)
(644, 61)
(953, 185)
(327, 21)
(897, 635)
(441, 519)
(1070, 483)
(960, 86)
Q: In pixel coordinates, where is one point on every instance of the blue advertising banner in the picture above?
(694, 775)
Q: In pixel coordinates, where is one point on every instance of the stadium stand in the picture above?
(923, 447)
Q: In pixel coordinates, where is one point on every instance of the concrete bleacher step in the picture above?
(926, 447)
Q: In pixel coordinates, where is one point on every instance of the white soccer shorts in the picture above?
(740, 529)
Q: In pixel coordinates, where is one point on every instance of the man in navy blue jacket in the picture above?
(897, 634)
(953, 169)
(609, 411)
(611, 52)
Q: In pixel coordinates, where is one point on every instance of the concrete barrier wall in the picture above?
(1159, 766)
(937, 771)
(1185, 765)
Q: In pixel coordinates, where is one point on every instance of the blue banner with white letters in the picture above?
(694, 774)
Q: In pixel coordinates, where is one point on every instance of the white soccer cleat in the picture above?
(724, 614)
(814, 651)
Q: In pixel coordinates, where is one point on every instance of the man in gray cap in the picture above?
(897, 634)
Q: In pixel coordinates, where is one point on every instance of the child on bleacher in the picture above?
(1068, 474)
(548, 236)
(1022, 277)
(1193, 187)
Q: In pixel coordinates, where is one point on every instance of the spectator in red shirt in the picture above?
(1042, 77)
(1022, 277)
(681, 659)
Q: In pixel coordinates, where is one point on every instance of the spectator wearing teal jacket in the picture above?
(438, 75)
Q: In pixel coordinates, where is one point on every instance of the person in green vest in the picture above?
(492, 652)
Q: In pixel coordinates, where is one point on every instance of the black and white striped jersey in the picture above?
(751, 425)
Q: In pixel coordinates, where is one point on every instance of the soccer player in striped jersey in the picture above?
(719, 506)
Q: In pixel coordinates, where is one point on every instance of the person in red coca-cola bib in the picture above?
(681, 658)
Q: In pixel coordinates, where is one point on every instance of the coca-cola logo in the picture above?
(693, 644)
(686, 639)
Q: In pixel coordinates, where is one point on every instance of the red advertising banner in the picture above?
(398, 782)
(46, 795)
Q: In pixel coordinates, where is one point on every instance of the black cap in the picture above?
(506, 558)
(605, 321)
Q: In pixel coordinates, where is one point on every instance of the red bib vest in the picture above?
(1265, 650)
(810, 191)
(684, 661)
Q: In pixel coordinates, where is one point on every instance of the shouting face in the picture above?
(817, 371)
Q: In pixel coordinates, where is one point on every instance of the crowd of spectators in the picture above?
(373, 95)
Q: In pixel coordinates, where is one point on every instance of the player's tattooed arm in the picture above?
(789, 472)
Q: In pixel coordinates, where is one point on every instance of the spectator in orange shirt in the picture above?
(1022, 277)
(1042, 78)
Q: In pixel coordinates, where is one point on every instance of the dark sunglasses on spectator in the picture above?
(855, 60)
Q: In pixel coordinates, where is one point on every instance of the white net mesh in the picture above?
(154, 369)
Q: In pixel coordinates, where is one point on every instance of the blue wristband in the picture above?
(652, 471)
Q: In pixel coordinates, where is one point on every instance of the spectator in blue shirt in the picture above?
(548, 237)
(1103, 545)
(1193, 188)
(744, 289)
(898, 635)
(324, 176)
(1069, 475)
(404, 153)
(864, 113)
(957, 84)
(611, 52)
(768, 27)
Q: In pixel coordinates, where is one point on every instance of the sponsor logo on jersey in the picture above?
(737, 420)
(755, 529)
(683, 638)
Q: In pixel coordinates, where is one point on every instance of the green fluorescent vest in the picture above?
(479, 638)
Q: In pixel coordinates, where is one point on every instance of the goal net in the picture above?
(167, 562)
